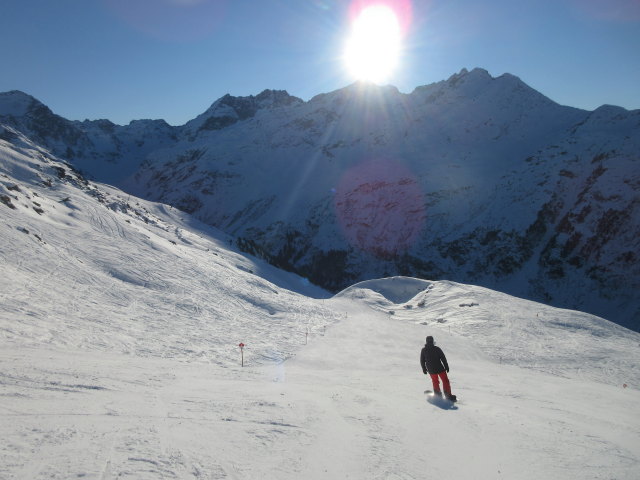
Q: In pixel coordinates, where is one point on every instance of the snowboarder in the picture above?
(433, 362)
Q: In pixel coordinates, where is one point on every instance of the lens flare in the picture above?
(623, 11)
(380, 207)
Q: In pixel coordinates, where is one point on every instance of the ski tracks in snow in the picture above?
(348, 405)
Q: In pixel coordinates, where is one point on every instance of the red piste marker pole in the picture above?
(241, 354)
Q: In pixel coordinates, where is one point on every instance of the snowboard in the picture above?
(452, 398)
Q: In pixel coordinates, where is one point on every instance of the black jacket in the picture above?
(432, 360)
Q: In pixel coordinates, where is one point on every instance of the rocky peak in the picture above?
(475, 75)
(357, 91)
(35, 119)
(18, 104)
(228, 110)
(276, 98)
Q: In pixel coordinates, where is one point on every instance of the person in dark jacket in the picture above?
(433, 362)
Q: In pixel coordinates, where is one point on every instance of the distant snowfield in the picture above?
(119, 329)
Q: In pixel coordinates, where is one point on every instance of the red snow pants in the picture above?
(436, 383)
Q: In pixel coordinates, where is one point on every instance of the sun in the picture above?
(372, 51)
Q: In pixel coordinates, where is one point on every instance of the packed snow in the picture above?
(120, 321)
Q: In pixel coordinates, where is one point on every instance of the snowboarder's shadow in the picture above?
(441, 402)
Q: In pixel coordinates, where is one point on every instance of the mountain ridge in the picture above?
(474, 179)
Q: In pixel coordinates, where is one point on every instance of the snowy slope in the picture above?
(119, 325)
(73, 248)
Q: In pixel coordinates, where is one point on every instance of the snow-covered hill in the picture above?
(120, 321)
(74, 249)
(473, 179)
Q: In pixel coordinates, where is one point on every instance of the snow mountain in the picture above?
(474, 179)
(120, 321)
(99, 148)
(73, 248)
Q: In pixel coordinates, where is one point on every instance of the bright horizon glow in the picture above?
(373, 49)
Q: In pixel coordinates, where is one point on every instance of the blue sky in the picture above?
(132, 59)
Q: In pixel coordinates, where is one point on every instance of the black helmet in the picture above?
(429, 340)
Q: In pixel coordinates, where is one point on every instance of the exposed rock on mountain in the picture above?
(474, 179)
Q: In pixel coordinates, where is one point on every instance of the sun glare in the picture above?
(373, 48)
